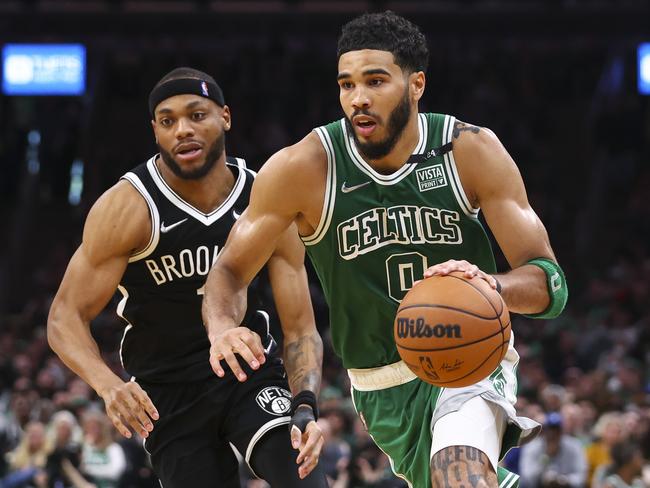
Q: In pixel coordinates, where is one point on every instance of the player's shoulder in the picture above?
(478, 149)
(468, 137)
(122, 200)
(483, 163)
(119, 221)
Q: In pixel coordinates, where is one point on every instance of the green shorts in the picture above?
(399, 412)
(399, 421)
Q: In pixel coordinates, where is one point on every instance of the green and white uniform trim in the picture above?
(507, 479)
(330, 191)
(450, 164)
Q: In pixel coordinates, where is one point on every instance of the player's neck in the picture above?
(206, 193)
(402, 150)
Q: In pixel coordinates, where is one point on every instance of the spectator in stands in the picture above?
(335, 452)
(624, 470)
(102, 459)
(63, 445)
(27, 461)
(553, 397)
(12, 423)
(607, 432)
(573, 423)
(553, 459)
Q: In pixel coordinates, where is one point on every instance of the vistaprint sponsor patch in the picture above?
(431, 177)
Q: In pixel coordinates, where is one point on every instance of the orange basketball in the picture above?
(452, 331)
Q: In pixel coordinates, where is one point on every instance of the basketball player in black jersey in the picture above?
(154, 236)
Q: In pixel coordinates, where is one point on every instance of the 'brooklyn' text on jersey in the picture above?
(186, 265)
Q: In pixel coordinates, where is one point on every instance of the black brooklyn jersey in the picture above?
(162, 287)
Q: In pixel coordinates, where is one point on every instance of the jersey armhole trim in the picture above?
(330, 191)
(153, 212)
(120, 313)
(450, 163)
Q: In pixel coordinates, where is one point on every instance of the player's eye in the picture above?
(198, 115)
(346, 85)
(166, 122)
(375, 82)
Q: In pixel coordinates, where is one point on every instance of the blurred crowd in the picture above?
(566, 110)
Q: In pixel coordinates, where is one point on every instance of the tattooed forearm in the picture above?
(463, 127)
(303, 360)
(462, 466)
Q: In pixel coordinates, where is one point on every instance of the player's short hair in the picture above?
(184, 73)
(390, 32)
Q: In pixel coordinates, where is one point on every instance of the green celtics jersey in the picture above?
(378, 233)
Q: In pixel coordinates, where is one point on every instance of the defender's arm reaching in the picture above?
(264, 233)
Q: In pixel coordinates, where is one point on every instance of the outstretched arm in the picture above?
(250, 244)
(284, 192)
(303, 347)
(264, 233)
(113, 230)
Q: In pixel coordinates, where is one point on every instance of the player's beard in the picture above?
(214, 153)
(397, 121)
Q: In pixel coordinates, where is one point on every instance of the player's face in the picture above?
(377, 99)
(190, 134)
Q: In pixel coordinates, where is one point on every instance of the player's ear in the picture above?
(417, 81)
(227, 118)
(153, 127)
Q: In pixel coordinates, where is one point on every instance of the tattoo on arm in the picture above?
(463, 127)
(462, 466)
(303, 360)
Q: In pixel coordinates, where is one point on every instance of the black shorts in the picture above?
(202, 422)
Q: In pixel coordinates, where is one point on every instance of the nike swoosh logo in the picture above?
(348, 189)
(164, 229)
(235, 215)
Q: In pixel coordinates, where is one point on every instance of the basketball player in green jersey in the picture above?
(384, 197)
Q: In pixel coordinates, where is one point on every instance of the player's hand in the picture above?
(238, 340)
(307, 437)
(468, 269)
(129, 407)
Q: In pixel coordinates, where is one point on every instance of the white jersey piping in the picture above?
(330, 190)
(153, 212)
(174, 198)
(452, 171)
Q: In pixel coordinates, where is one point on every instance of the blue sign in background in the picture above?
(43, 69)
(644, 68)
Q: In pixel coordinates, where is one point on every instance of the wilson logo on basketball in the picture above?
(419, 328)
